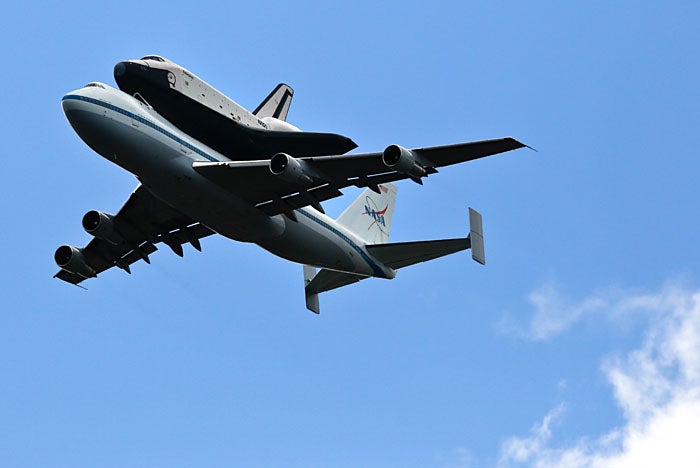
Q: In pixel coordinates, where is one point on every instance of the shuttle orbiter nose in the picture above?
(119, 69)
(137, 75)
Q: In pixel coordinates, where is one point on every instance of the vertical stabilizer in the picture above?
(276, 104)
(476, 236)
(311, 296)
(369, 216)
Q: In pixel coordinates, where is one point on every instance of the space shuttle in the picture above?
(208, 115)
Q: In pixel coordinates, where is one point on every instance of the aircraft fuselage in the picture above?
(134, 136)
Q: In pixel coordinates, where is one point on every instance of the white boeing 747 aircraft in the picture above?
(206, 165)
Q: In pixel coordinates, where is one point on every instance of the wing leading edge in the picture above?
(275, 194)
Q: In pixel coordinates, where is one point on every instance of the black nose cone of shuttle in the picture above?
(127, 75)
(137, 76)
(119, 70)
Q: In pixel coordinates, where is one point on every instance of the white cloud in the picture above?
(521, 450)
(554, 313)
(657, 386)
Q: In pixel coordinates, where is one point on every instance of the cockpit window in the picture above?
(153, 57)
(94, 85)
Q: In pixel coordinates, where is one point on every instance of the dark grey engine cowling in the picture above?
(71, 259)
(292, 170)
(101, 225)
(403, 161)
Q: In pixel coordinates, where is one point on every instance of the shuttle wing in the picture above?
(142, 222)
(273, 194)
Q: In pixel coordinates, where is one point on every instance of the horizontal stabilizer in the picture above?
(402, 254)
(324, 280)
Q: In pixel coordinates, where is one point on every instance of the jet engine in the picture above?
(292, 170)
(71, 259)
(101, 225)
(403, 161)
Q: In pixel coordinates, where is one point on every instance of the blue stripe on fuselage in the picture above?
(146, 122)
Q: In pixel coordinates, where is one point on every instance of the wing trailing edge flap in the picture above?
(253, 181)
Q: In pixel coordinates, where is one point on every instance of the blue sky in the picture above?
(577, 344)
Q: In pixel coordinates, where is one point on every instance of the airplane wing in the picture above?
(141, 223)
(275, 194)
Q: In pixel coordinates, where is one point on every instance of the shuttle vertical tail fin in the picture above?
(369, 216)
(276, 104)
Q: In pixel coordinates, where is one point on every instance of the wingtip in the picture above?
(351, 144)
(522, 145)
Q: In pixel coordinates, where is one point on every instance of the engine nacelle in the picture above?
(403, 161)
(101, 225)
(278, 125)
(292, 170)
(71, 259)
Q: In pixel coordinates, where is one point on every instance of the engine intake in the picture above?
(101, 225)
(403, 161)
(293, 170)
(72, 260)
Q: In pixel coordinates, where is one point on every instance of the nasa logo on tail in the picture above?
(375, 213)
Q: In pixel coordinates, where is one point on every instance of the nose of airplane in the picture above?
(71, 102)
(88, 121)
(79, 105)
(76, 115)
